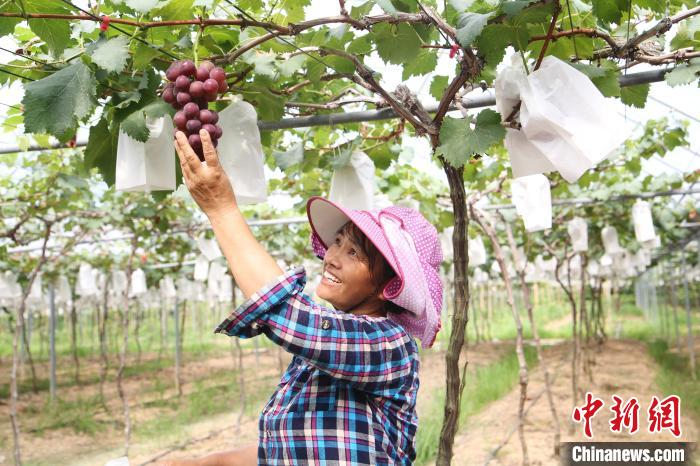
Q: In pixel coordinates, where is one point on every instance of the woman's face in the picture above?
(346, 282)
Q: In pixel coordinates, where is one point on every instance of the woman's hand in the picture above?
(207, 182)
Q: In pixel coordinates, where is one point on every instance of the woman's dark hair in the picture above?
(380, 271)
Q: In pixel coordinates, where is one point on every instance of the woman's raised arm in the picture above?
(251, 265)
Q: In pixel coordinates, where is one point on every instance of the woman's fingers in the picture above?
(210, 155)
(187, 156)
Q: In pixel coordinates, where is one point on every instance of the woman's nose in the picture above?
(332, 257)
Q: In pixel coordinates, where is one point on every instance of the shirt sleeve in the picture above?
(374, 354)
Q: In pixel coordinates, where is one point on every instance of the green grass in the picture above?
(490, 383)
(674, 376)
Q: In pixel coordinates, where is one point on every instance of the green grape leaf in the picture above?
(111, 55)
(438, 86)
(469, 27)
(290, 66)
(286, 159)
(54, 104)
(360, 46)
(56, 34)
(101, 150)
(135, 123)
(684, 74)
(607, 11)
(494, 39)
(458, 141)
(145, 6)
(635, 96)
(423, 63)
(396, 43)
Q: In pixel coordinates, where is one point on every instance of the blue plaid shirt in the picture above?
(349, 394)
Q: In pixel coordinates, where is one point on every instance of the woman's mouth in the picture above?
(330, 279)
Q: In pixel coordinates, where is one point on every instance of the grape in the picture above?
(206, 116)
(211, 85)
(173, 71)
(218, 73)
(211, 129)
(193, 126)
(196, 89)
(168, 94)
(202, 74)
(214, 142)
(207, 65)
(183, 98)
(187, 68)
(182, 83)
(190, 90)
(180, 120)
(191, 110)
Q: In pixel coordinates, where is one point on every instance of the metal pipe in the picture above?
(487, 99)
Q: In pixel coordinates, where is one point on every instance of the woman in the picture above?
(348, 396)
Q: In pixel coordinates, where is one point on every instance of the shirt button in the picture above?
(326, 324)
(267, 433)
(255, 325)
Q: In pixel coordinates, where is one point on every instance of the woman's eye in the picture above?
(353, 252)
(337, 241)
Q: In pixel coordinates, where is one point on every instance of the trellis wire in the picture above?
(487, 99)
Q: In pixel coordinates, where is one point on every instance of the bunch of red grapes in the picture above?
(190, 90)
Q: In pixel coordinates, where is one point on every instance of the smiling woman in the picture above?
(353, 259)
(349, 395)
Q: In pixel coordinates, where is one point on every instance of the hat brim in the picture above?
(327, 217)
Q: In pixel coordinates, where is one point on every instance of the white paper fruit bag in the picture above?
(150, 165)
(643, 223)
(566, 123)
(610, 241)
(578, 233)
(533, 201)
(353, 185)
(241, 153)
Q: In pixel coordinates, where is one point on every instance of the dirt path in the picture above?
(432, 375)
(623, 368)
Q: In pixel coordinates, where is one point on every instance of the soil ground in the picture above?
(622, 367)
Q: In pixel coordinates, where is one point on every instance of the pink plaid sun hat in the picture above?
(411, 246)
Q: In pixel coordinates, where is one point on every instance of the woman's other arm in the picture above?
(251, 265)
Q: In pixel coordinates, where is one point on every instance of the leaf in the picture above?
(607, 11)
(438, 86)
(286, 159)
(145, 6)
(387, 6)
(453, 133)
(144, 55)
(7, 25)
(101, 150)
(469, 26)
(423, 63)
(360, 46)
(683, 74)
(264, 63)
(53, 104)
(135, 123)
(396, 44)
(292, 65)
(458, 141)
(56, 34)
(635, 96)
(111, 55)
(496, 37)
